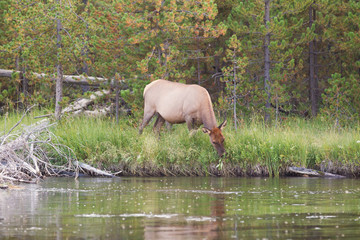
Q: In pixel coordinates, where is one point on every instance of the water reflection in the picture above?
(194, 227)
(182, 208)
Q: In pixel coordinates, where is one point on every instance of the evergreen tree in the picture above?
(289, 57)
(46, 40)
(271, 44)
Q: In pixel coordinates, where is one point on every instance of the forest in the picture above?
(265, 63)
(268, 58)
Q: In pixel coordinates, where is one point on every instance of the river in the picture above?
(182, 208)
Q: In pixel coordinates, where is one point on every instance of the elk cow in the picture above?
(178, 103)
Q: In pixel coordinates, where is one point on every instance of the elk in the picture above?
(179, 103)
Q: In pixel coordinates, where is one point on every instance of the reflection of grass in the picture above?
(253, 149)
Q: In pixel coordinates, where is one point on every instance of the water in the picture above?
(182, 208)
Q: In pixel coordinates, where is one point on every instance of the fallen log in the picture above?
(92, 171)
(313, 173)
(74, 79)
(81, 104)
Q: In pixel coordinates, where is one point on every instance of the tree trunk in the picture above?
(59, 88)
(234, 94)
(117, 96)
(267, 62)
(21, 69)
(84, 53)
(25, 81)
(198, 62)
(59, 77)
(313, 81)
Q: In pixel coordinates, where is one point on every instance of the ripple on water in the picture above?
(199, 191)
(320, 216)
(93, 215)
(200, 219)
(144, 215)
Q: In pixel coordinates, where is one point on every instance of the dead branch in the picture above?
(20, 154)
(93, 171)
(28, 155)
(5, 136)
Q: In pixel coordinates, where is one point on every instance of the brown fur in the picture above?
(179, 103)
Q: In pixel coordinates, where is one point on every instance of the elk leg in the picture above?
(158, 123)
(148, 114)
(168, 126)
(192, 125)
(190, 122)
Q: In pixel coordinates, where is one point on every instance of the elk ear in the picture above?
(221, 126)
(206, 130)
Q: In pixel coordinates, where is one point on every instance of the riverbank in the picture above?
(252, 150)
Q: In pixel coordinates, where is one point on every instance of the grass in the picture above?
(251, 150)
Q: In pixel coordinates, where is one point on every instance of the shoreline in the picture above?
(228, 170)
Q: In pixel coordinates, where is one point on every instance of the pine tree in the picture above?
(159, 33)
(268, 31)
(234, 75)
(46, 40)
(341, 37)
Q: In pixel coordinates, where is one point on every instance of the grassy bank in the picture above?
(251, 150)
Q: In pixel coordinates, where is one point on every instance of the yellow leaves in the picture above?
(179, 18)
(162, 46)
(158, 6)
(119, 7)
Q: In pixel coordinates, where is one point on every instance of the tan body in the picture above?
(179, 103)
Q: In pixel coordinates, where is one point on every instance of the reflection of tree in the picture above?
(17, 209)
(194, 228)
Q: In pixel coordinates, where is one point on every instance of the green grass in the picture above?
(251, 150)
(104, 143)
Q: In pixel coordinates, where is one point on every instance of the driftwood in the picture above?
(27, 155)
(24, 154)
(313, 173)
(92, 171)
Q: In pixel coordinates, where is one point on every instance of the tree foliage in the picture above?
(193, 42)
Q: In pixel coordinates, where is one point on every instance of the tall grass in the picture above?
(105, 143)
(251, 150)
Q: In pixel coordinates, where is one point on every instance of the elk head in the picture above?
(217, 138)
